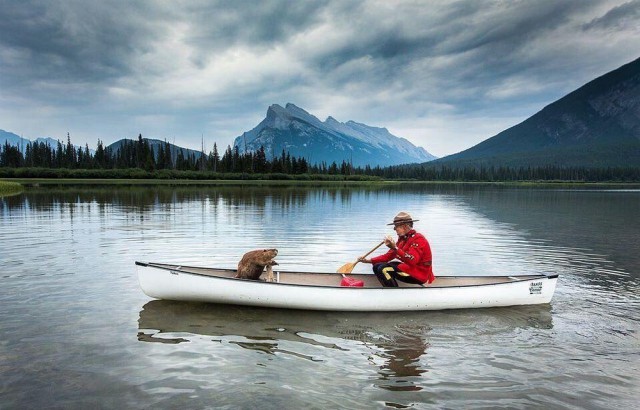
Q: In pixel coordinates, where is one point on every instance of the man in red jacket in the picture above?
(412, 251)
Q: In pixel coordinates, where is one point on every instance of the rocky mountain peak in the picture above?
(276, 111)
(295, 130)
(330, 120)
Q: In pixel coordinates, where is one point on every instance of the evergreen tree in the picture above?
(28, 156)
(69, 154)
(215, 158)
(59, 155)
(139, 152)
(236, 165)
(100, 157)
(161, 161)
(226, 163)
(149, 161)
(11, 156)
(181, 163)
(260, 161)
(303, 166)
(168, 156)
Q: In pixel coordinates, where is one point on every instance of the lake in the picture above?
(77, 331)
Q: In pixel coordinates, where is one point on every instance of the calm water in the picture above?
(76, 331)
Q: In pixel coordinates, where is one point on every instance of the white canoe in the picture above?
(322, 291)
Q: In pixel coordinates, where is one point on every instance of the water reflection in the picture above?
(473, 229)
(396, 344)
(402, 354)
(147, 198)
(587, 226)
(68, 285)
(143, 198)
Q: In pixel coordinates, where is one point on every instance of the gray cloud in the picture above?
(627, 14)
(227, 23)
(72, 40)
(190, 67)
(482, 44)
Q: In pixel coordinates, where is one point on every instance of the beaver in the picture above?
(253, 263)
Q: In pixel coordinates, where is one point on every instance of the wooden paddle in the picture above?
(348, 267)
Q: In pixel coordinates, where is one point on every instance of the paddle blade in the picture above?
(346, 268)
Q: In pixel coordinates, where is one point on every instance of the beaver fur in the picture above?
(253, 263)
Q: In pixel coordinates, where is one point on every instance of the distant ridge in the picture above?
(597, 125)
(155, 144)
(301, 134)
(17, 141)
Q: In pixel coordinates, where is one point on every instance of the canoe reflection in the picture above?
(397, 343)
(161, 320)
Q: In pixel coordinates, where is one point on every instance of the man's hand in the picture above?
(390, 242)
(362, 259)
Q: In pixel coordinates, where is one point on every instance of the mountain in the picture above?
(53, 143)
(15, 140)
(303, 135)
(49, 141)
(597, 125)
(155, 146)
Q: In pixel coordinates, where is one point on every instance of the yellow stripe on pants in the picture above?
(386, 271)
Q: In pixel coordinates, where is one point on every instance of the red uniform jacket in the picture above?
(414, 253)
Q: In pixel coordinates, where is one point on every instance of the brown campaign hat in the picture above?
(402, 218)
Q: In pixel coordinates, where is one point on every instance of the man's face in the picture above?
(402, 229)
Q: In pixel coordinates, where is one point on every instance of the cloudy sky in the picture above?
(443, 74)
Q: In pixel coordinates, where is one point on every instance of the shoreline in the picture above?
(17, 185)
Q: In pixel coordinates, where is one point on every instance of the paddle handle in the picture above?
(367, 254)
(371, 251)
(347, 268)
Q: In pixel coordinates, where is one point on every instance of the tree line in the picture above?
(143, 155)
(492, 173)
(140, 154)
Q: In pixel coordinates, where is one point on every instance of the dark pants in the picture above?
(388, 274)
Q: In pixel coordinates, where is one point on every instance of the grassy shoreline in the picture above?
(184, 182)
(13, 184)
(8, 188)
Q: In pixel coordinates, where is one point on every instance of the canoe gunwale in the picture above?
(322, 291)
(180, 269)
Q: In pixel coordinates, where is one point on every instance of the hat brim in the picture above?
(403, 222)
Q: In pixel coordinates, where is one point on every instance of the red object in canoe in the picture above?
(351, 282)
